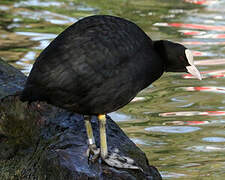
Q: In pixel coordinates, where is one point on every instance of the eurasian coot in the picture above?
(98, 65)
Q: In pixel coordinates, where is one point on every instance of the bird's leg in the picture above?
(113, 159)
(103, 141)
(92, 152)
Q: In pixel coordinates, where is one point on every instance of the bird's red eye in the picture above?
(182, 58)
(185, 62)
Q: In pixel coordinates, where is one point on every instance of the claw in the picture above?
(118, 161)
(93, 153)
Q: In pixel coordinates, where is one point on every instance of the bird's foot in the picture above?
(93, 152)
(118, 161)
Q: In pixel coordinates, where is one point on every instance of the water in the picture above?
(178, 121)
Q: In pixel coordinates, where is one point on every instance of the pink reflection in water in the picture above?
(192, 26)
(199, 53)
(202, 34)
(196, 122)
(186, 122)
(211, 36)
(210, 62)
(207, 74)
(206, 89)
(202, 43)
(191, 32)
(201, 2)
(193, 113)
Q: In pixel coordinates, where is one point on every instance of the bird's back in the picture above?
(97, 65)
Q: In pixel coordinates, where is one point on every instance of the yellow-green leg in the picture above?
(92, 151)
(114, 159)
(103, 141)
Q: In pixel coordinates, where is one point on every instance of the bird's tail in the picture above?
(24, 95)
(31, 94)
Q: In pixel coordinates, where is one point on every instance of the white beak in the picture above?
(194, 71)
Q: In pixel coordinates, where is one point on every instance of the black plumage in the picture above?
(97, 65)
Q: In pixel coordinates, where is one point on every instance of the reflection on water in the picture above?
(193, 113)
(178, 121)
(30, 56)
(172, 129)
(119, 116)
(206, 89)
(213, 62)
(53, 18)
(171, 175)
(206, 148)
(202, 2)
(192, 26)
(43, 38)
(214, 139)
(139, 141)
(37, 3)
(208, 74)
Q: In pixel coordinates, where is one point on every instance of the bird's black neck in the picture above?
(160, 49)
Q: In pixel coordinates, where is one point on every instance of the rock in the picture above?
(40, 141)
(11, 80)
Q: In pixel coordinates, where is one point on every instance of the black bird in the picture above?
(98, 65)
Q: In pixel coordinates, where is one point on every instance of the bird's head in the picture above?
(177, 58)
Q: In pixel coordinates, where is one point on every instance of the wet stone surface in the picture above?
(11, 80)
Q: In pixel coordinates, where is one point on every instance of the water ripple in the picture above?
(173, 129)
(214, 139)
(38, 3)
(206, 148)
(193, 113)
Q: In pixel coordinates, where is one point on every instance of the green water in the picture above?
(178, 121)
